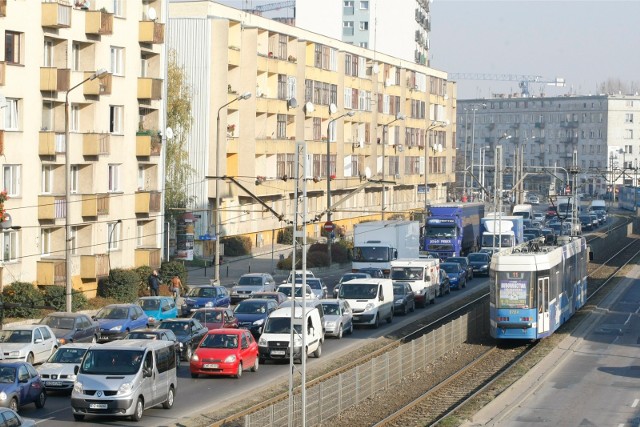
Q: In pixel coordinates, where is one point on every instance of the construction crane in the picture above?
(523, 79)
(260, 9)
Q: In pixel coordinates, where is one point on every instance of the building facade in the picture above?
(105, 145)
(302, 85)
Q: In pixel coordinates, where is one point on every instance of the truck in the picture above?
(524, 210)
(565, 205)
(452, 229)
(422, 274)
(377, 243)
(501, 232)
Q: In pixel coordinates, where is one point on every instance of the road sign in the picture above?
(329, 226)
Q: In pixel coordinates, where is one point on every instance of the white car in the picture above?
(286, 289)
(57, 372)
(337, 317)
(31, 343)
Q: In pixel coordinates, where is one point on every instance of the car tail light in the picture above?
(503, 319)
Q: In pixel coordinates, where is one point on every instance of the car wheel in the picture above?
(448, 289)
(256, 365)
(42, 398)
(14, 404)
(339, 331)
(413, 306)
(405, 309)
(433, 299)
(188, 353)
(78, 417)
(390, 318)
(318, 351)
(239, 370)
(30, 358)
(168, 404)
(137, 414)
(351, 329)
(376, 322)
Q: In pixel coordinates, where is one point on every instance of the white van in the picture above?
(524, 210)
(422, 274)
(370, 299)
(274, 343)
(123, 378)
(598, 205)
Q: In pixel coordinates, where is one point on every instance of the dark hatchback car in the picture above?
(466, 266)
(216, 318)
(456, 274)
(479, 263)
(72, 327)
(189, 333)
(278, 297)
(585, 221)
(205, 297)
(252, 313)
(117, 320)
(403, 298)
(21, 384)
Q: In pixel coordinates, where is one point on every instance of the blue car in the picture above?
(252, 313)
(158, 309)
(456, 274)
(117, 320)
(20, 384)
(205, 297)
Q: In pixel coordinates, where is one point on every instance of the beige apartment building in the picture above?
(108, 138)
(301, 86)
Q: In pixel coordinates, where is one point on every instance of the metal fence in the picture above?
(336, 394)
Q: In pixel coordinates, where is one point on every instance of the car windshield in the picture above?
(220, 341)
(280, 325)
(358, 291)
(67, 355)
(330, 308)
(287, 290)
(149, 304)
(178, 328)
(7, 374)
(113, 313)
(15, 336)
(458, 260)
(478, 258)
(372, 272)
(407, 273)
(111, 362)
(250, 281)
(251, 307)
(208, 316)
(57, 322)
(313, 283)
(450, 268)
(202, 292)
(371, 253)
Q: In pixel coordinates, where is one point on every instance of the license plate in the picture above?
(277, 352)
(53, 383)
(210, 366)
(356, 317)
(97, 406)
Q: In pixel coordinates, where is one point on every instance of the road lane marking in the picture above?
(635, 403)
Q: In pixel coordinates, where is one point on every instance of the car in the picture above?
(278, 297)
(403, 298)
(539, 216)
(286, 289)
(225, 352)
(72, 327)
(552, 211)
(252, 313)
(20, 384)
(479, 263)
(158, 334)
(464, 262)
(57, 372)
(216, 318)
(345, 278)
(117, 320)
(189, 333)
(533, 200)
(317, 286)
(445, 284)
(373, 272)
(298, 275)
(456, 274)
(536, 224)
(338, 318)
(205, 297)
(602, 216)
(12, 419)
(537, 232)
(250, 283)
(29, 343)
(158, 308)
(527, 237)
(585, 221)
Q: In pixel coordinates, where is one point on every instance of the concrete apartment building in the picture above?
(603, 130)
(113, 151)
(294, 77)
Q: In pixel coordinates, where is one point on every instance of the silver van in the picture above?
(123, 378)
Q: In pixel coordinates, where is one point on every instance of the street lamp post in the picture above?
(433, 125)
(216, 259)
(99, 74)
(347, 114)
(385, 130)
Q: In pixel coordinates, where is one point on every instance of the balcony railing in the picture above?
(51, 272)
(148, 145)
(56, 14)
(95, 204)
(54, 79)
(147, 201)
(98, 22)
(94, 266)
(3, 72)
(101, 86)
(151, 32)
(149, 88)
(51, 143)
(51, 207)
(148, 257)
(96, 144)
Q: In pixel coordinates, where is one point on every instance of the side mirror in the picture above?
(76, 369)
(380, 297)
(38, 340)
(94, 318)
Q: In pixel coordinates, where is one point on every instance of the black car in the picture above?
(252, 313)
(585, 221)
(403, 298)
(157, 334)
(72, 327)
(189, 333)
(466, 266)
(479, 263)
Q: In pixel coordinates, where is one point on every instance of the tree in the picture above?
(179, 119)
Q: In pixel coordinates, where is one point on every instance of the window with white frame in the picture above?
(74, 119)
(45, 241)
(114, 178)
(11, 179)
(364, 5)
(140, 234)
(364, 45)
(74, 173)
(9, 246)
(117, 61)
(141, 178)
(628, 118)
(628, 134)
(13, 47)
(75, 56)
(118, 9)
(113, 236)
(47, 60)
(364, 25)
(333, 131)
(47, 179)
(291, 87)
(347, 98)
(116, 119)
(47, 116)
(11, 114)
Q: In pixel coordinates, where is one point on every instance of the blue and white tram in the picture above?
(534, 290)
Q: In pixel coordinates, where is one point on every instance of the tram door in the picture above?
(543, 304)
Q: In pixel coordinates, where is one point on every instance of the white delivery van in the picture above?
(123, 378)
(422, 274)
(275, 341)
(525, 211)
(598, 205)
(371, 300)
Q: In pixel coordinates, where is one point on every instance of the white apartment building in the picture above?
(108, 138)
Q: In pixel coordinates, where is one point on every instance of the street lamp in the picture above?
(99, 74)
(433, 125)
(385, 130)
(347, 114)
(216, 259)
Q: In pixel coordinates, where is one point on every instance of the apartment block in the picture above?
(374, 113)
(90, 174)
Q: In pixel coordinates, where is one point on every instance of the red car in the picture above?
(225, 352)
(216, 317)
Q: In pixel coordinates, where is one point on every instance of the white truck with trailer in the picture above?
(422, 274)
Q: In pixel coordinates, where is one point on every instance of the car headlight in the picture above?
(369, 306)
(262, 342)
(116, 328)
(125, 388)
(420, 292)
(209, 304)
(3, 395)
(61, 341)
(77, 387)
(399, 301)
(195, 358)
(152, 319)
(230, 359)
(180, 345)
(258, 322)
(330, 325)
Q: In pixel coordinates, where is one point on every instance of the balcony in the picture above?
(56, 14)
(98, 22)
(96, 144)
(51, 208)
(51, 143)
(95, 87)
(3, 71)
(148, 257)
(149, 88)
(147, 201)
(94, 266)
(94, 205)
(54, 79)
(148, 145)
(151, 32)
(233, 56)
(51, 272)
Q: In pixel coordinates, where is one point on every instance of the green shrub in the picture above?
(317, 259)
(317, 247)
(339, 253)
(237, 245)
(285, 236)
(56, 296)
(122, 285)
(99, 302)
(25, 296)
(174, 268)
(285, 263)
(143, 273)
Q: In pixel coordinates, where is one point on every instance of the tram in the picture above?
(535, 288)
(629, 198)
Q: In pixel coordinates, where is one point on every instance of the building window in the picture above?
(114, 178)
(117, 61)
(140, 234)
(364, 5)
(47, 179)
(282, 126)
(75, 56)
(12, 47)
(141, 178)
(364, 45)
(47, 60)
(45, 241)
(282, 86)
(118, 10)
(628, 118)
(74, 120)
(10, 246)
(113, 236)
(12, 115)
(364, 25)
(317, 128)
(11, 178)
(74, 172)
(282, 46)
(628, 134)
(116, 119)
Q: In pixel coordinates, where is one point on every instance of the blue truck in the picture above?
(452, 229)
(501, 232)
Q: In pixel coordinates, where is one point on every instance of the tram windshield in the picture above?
(514, 289)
